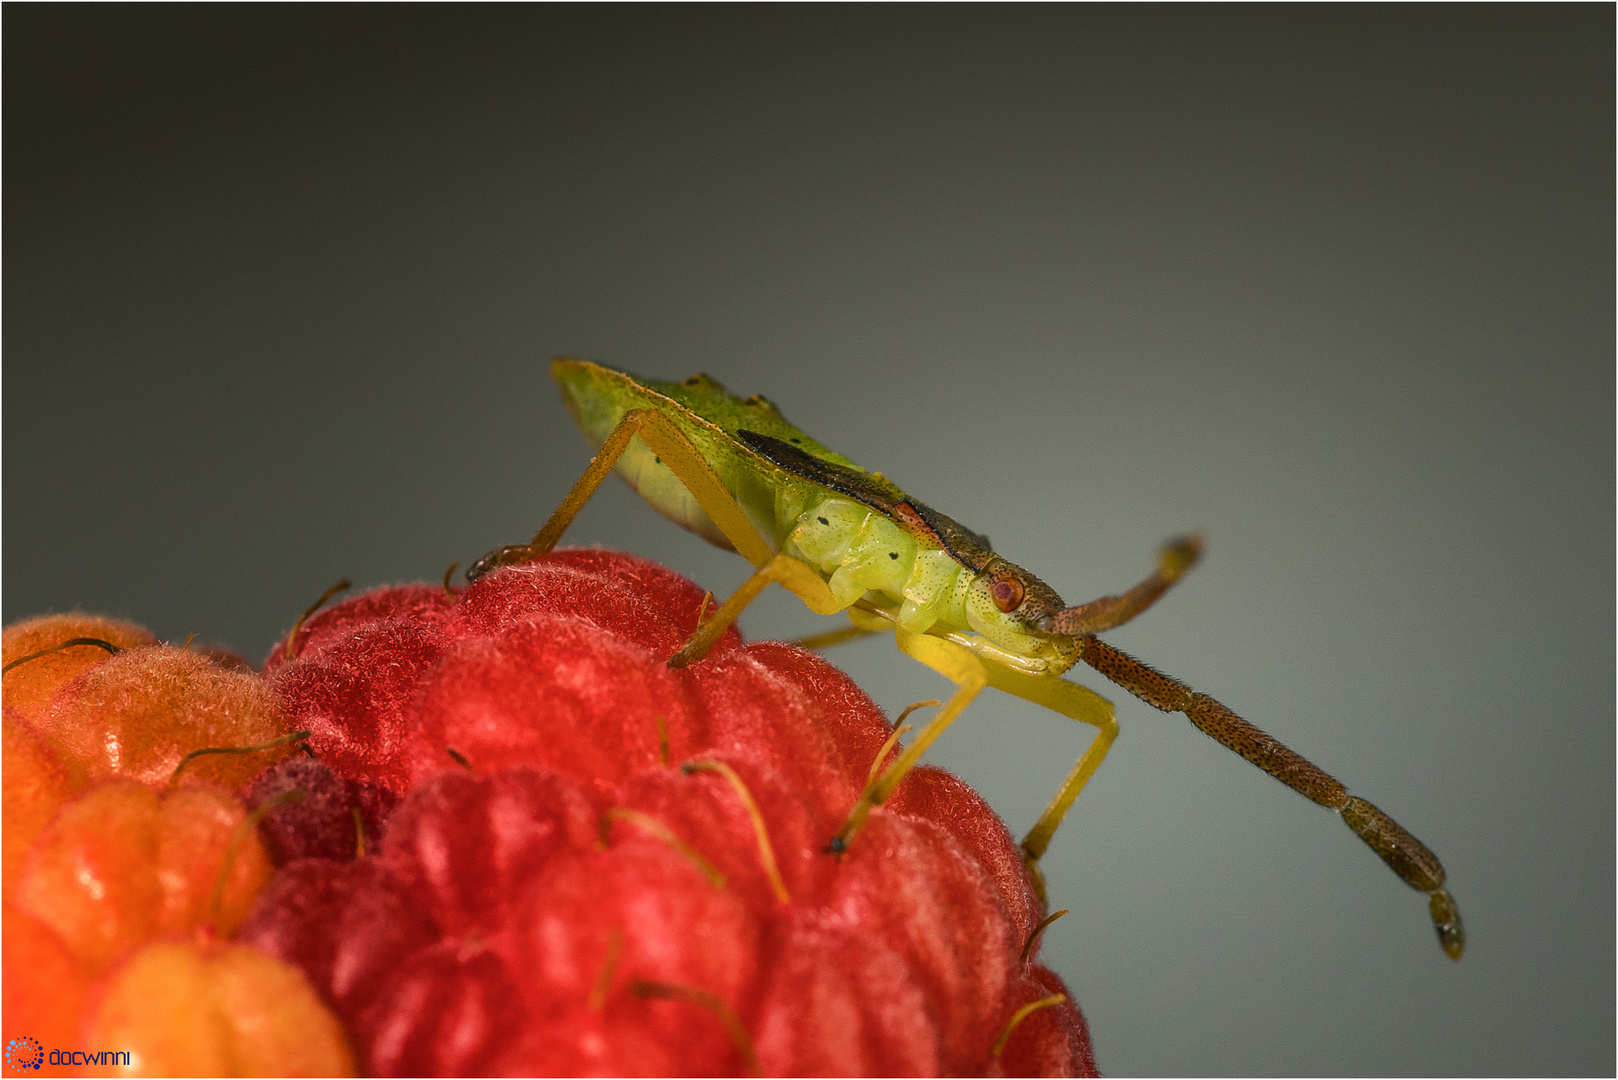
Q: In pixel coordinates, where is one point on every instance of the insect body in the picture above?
(843, 539)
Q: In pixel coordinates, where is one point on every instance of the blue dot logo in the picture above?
(24, 1053)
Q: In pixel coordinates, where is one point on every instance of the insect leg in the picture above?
(816, 642)
(1173, 561)
(866, 623)
(665, 440)
(794, 574)
(957, 664)
(1407, 856)
(1076, 703)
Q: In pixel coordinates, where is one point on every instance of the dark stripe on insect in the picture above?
(964, 546)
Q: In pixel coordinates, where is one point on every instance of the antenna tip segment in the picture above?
(1447, 921)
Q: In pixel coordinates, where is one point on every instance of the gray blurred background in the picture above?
(1333, 285)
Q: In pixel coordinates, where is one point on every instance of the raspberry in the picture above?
(45, 987)
(189, 1009)
(44, 662)
(35, 785)
(330, 816)
(139, 713)
(119, 881)
(416, 603)
(122, 864)
(627, 874)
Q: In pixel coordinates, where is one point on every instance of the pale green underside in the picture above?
(856, 548)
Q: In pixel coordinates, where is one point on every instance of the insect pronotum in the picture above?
(843, 539)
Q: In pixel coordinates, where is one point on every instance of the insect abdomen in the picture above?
(657, 484)
(859, 550)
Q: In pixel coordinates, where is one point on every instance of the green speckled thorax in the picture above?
(857, 528)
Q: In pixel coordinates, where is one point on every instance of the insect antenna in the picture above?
(1408, 857)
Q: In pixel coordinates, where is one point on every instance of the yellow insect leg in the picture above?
(866, 619)
(1076, 703)
(664, 438)
(957, 664)
(792, 574)
(970, 675)
(816, 642)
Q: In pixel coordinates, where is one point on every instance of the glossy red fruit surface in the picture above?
(629, 874)
(122, 864)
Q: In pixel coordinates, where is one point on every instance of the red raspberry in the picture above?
(310, 811)
(629, 874)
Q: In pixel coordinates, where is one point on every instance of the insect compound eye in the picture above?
(1007, 593)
